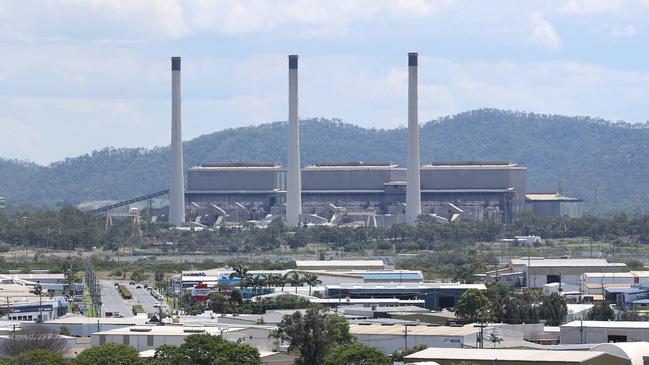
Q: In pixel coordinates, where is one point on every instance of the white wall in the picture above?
(391, 343)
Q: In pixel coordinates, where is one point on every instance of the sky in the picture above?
(80, 75)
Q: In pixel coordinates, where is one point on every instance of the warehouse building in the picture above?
(144, 338)
(436, 296)
(391, 338)
(540, 271)
(445, 356)
(469, 190)
(579, 332)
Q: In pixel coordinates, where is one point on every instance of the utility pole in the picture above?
(405, 337)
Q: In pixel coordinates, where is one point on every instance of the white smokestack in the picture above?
(176, 186)
(293, 179)
(413, 187)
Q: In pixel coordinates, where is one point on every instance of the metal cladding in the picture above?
(293, 178)
(176, 187)
(413, 187)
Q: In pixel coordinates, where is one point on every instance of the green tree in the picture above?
(202, 349)
(400, 355)
(357, 354)
(37, 357)
(313, 334)
(601, 311)
(473, 306)
(109, 354)
(553, 309)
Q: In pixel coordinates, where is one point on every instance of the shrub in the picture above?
(124, 292)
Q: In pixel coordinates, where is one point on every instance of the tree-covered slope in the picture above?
(587, 157)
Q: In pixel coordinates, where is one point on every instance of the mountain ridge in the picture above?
(590, 158)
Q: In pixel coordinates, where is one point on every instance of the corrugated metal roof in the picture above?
(556, 197)
(377, 329)
(608, 324)
(534, 262)
(533, 356)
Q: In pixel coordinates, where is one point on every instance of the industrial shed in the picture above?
(515, 357)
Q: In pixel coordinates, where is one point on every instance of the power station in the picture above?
(378, 194)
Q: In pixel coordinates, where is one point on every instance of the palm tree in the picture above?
(256, 281)
(242, 273)
(311, 280)
(295, 279)
(283, 280)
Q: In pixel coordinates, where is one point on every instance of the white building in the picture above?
(144, 338)
(81, 326)
(397, 337)
(579, 332)
(568, 272)
(337, 265)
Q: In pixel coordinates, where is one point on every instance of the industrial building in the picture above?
(356, 194)
(341, 193)
(554, 205)
(567, 272)
(579, 332)
(446, 356)
(391, 338)
(436, 296)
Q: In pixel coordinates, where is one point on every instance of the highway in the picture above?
(112, 301)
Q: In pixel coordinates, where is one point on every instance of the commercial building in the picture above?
(554, 205)
(445, 356)
(21, 304)
(436, 296)
(578, 332)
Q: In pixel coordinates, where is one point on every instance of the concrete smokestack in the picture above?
(176, 187)
(293, 178)
(413, 187)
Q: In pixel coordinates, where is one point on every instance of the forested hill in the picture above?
(587, 157)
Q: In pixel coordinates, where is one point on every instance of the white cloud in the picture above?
(315, 17)
(543, 31)
(626, 31)
(591, 6)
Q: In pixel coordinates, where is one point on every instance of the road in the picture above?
(112, 301)
(143, 297)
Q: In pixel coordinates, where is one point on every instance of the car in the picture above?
(146, 286)
(156, 304)
(138, 287)
(131, 283)
(118, 315)
(116, 284)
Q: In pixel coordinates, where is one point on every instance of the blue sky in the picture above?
(79, 75)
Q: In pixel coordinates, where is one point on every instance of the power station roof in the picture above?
(472, 165)
(352, 165)
(237, 166)
(549, 197)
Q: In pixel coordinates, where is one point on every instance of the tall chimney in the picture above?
(293, 179)
(413, 187)
(176, 187)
